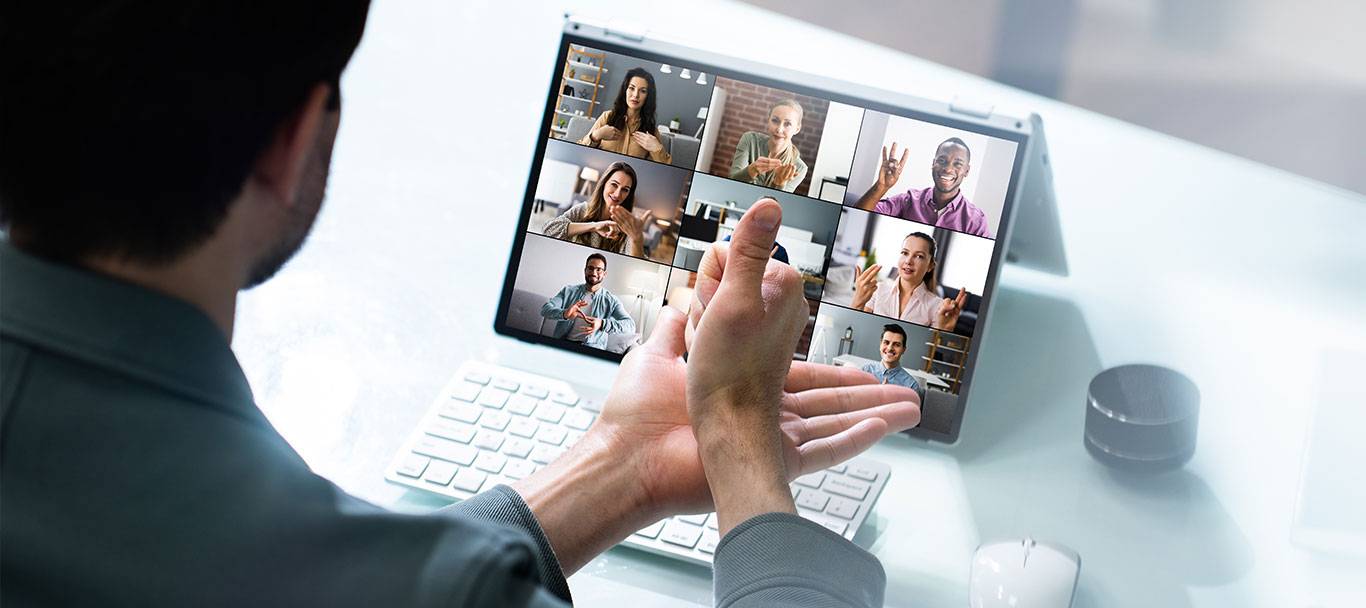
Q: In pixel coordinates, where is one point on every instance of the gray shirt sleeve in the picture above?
(503, 505)
(558, 226)
(780, 559)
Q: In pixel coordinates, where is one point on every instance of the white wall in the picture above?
(836, 151)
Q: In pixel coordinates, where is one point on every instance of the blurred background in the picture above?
(1282, 83)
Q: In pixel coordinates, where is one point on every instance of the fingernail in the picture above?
(768, 216)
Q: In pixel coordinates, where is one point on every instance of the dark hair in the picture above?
(597, 256)
(597, 204)
(129, 127)
(896, 329)
(647, 111)
(958, 142)
(931, 279)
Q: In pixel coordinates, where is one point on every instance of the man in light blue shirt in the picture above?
(587, 312)
(889, 370)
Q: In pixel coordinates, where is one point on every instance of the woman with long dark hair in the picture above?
(913, 296)
(629, 127)
(606, 221)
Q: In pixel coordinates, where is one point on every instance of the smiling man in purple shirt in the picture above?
(942, 204)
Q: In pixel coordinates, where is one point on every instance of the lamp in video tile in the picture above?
(589, 176)
(685, 74)
(702, 117)
(666, 69)
(820, 338)
(702, 78)
(643, 284)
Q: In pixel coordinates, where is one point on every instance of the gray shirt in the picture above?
(751, 147)
(138, 471)
(894, 375)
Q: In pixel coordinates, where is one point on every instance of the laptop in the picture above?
(896, 212)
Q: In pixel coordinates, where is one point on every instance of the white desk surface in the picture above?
(1230, 271)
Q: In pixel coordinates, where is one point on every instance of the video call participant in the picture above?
(889, 370)
(586, 312)
(771, 159)
(942, 204)
(912, 296)
(605, 221)
(629, 127)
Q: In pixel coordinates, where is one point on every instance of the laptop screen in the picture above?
(644, 161)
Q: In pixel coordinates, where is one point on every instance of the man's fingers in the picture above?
(826, 452)
(841, 399)
(898, 416)
(902, 163)
(668, 337)
(749, 246)
(804, 375)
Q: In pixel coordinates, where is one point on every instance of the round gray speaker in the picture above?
(1142, 417)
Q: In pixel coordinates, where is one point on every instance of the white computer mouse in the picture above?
(1023, 574)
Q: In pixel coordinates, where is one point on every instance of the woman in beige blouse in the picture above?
(629, 127)
(606, 220)
(913, 295)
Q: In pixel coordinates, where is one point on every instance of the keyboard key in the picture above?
(839, 468)
(534, 392)
(544, 454)
(695, 520)
(445, 450)
(518, 469)
(491, 462)
(496, 420)
(413, 465)
(463, 412)
(550, 412)
(652, 530)
(517, 447)
(812, 480)
(467, 391)
(522, 405)
(469, 480)
(566, 399)
(572, 438)
(709, 540)
(523, 427)
(450, 429)
(811, 499)
(862, 472)
(488, 440)
(440, 472)
(552, 435)
(711, 521)
(851, 488)
(842, 507)
(507, 384)
(681, 534)
(578, 419)
(592, 406)
(477, 377)
(493, 398)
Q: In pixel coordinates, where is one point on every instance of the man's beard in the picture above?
(312, 188)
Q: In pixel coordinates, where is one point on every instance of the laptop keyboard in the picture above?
(493, 425)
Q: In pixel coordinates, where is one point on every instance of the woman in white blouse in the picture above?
(913, 295)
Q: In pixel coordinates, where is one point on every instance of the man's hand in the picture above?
(758, 424)
(889, 170)
(591, 325)
(575, 309)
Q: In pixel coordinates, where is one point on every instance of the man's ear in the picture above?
(280, 167)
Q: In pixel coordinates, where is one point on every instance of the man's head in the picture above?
(144, 127)
(893, 344)
(951, 164)
(595, 269)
